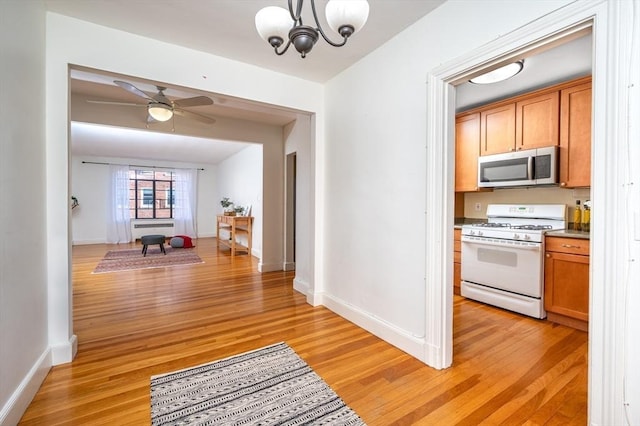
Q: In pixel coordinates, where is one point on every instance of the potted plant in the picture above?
(239, 210)
(227, 204)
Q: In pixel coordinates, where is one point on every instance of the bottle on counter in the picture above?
(577, 217)
(586, 217)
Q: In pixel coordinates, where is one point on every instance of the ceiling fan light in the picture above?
(160, 112)
(341, 13)
(500, 74)
(273, 21)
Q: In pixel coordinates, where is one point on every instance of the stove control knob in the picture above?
(480, 233)
(527, 237)
(516, 236)
(472, 232)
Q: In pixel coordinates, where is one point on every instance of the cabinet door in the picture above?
(467, 149)
(575, 136)
(537, 121)
(566, 285)
(498, 130)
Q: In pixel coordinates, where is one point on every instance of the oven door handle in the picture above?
(532, 247)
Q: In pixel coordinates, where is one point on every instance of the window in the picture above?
(151, 194)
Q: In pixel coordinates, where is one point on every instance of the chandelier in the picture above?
(276, 24)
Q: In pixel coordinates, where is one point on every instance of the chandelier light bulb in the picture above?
(273, 22)
(351, 13)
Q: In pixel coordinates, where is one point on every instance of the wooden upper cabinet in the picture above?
(467, 149)
(498, 129)
(537, 121)
(575, 136)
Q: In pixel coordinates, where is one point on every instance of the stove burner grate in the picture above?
(532, 227)
(492, 225)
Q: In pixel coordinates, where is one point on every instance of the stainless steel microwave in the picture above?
(519, 168)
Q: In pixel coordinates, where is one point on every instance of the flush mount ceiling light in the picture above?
(500, 74)
(159, 111)
(275, 24)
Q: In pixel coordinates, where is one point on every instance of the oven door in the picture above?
(509, 265)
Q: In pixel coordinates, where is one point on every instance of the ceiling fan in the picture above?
(161, 108)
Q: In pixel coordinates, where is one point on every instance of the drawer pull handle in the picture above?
(570, 246)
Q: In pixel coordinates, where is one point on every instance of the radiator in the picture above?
(138, 229)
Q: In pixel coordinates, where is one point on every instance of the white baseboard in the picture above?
(18, 402)
(206, 235)
(301, 286)
(413, 345)
(64, 352)
(289, 266)
(269, 267)
(87, 242)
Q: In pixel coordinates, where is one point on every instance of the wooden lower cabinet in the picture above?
(566, 281)
(457, 256)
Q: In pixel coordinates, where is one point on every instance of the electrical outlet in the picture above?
(478, 207)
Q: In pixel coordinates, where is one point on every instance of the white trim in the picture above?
(20, 399)
(269, 267)
(64, 352)
(386, 331)
(613, 28)
(301, 286)
(289, 266)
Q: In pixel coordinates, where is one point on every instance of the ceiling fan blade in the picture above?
(132, 89)
(195, 101)
(115, 103)
(194, 115)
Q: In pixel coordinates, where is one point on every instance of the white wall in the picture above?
(239, 178)
(89, 183)
(297, 140)
(375, 234)
(24, 351)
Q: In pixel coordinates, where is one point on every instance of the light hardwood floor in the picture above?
(508, 369)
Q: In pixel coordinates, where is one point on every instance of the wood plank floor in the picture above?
(508, 369)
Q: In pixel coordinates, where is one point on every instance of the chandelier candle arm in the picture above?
(275, 24)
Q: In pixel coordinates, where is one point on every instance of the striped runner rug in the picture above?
(266, 386)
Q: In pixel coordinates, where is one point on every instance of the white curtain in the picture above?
(184, 212)
(118, 216)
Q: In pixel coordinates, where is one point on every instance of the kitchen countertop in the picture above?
(568, 233)
(459, 221)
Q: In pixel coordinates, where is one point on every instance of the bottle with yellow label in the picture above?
(577, 217)
(586, 217)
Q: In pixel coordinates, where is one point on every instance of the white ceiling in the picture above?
(226, 28)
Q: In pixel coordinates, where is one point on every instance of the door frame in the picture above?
(612, 26)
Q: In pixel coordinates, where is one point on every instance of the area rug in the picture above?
(129, 259)
(267, 386)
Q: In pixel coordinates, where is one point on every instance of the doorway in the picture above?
(290, 213)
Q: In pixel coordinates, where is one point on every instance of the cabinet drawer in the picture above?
(567, 245)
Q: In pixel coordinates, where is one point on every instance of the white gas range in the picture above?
(503, 259)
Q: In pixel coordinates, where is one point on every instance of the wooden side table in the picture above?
(236, 225)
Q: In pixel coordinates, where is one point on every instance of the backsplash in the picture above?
(533, 195)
